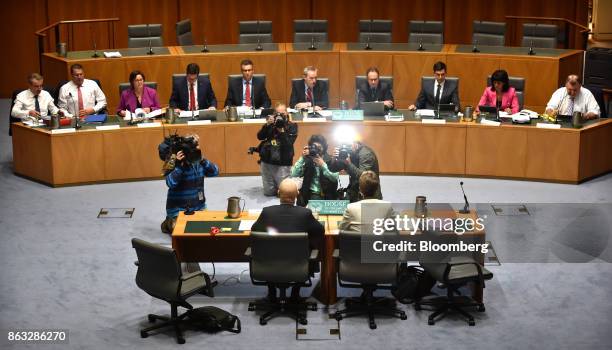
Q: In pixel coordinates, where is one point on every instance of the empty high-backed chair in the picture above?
(249, 31)
(489, 33)
(183, 33)
(305, 29)
(427, 32)
(518, 83)
(377, 30)
(540, 35)
(139, 35)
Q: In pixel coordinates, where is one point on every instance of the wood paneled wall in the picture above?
(217, 20)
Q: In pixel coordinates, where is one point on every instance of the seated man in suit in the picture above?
(287, 217)
(34, 102)
(374, 90)
(354, 217)
(192, 92)
(80, 97)
(250, 91)
(309, 92)
(439, 91)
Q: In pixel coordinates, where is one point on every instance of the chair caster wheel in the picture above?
(313, 307)
(417, 307)
(143, 334)
(481, 308)
(403, 316)
(372, 325)
(471, 322)
(180, 340)
(303, 321)
(151, 319)
(431, 322)
(251, 307)
(338, 317)
(263, 322)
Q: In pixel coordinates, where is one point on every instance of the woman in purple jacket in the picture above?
(138, 96)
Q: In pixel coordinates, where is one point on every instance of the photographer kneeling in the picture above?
(319, 182)
(276, 149)
(184, 170)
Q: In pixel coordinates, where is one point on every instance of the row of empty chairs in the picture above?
(374, 31)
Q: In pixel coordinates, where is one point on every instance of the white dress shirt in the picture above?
(583, 102)
(435, 88)
(24, 102)
(93, 97)
(195, 94)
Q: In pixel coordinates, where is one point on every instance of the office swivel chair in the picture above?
(488, 33)
(453, 271)
(281, 260)
(183, 33)
(376, 30)
(305, 29)
(518, 83)
(159, 275)
(541, 35)
(427, 32)
(367, 276)
(139, 35)
(249, 32)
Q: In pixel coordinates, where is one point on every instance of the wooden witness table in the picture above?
(230, 246)
(411, 147)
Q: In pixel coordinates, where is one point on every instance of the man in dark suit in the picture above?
(249, 91)
(192, 92)
(287, 218)
(309, 92)
(438, 91)
(374, 90)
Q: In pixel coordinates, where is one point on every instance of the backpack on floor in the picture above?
(212, 319)
(414, 283)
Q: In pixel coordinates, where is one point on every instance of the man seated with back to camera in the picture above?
(184, 172)
(287, 218)
(354, 217)
(319, 182)
(277, 137)
(355, 160)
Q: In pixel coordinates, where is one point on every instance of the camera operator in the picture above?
(319, 182)
(276, 149)
(355, 160)
(184, 170)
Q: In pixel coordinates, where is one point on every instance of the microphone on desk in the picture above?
(258, 47)
(531, 52)
(312, 38)
(421, 48)
(93, 35)
(367, 46)
(77, 125)
(466, 207)
(475, 47)
(149, 35)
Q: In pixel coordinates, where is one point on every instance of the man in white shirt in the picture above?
(34, 103)
(359, 215)
(573, 98)
(81, 96)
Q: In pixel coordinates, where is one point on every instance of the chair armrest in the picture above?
(247, 252)
(136, 263)
(191, 275)
(314, 254)
(336, 254)
(463, 260)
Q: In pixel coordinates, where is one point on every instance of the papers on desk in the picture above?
(140, 114)
(245, 225)
(521, 117)
(112, 54)
(107, 127)
(198, 122)
(189, 114)
(503, 114)
(150, 125)
(291, 110)
(433, 121)
(425, 113)
(254, 121)
(31, 122)
(489, 122)
(314, 120)
(325, 113)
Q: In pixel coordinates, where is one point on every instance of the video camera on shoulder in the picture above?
(173, 144)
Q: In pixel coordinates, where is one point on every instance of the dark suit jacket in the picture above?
(259, 94)
(383, 92)
(180, 94)
(319, 93)
(287, 218)
(450, 94)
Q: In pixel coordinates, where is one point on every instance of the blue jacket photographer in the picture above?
(184, 169)
(277, 137)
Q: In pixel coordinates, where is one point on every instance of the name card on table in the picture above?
(150, 125)
(314, 120)
(433, 121)
(328, 207)
(347, 114)
(198, 122)
(489, 122)
(548, 126)
(107, 127)
(254, 121)
(63, 131)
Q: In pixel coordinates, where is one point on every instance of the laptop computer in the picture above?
(205, 114)
(373, 109)
(445, 111)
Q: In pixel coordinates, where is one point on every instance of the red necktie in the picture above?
(191, 98)
(309, 95)
(80, 99)
(247, 94)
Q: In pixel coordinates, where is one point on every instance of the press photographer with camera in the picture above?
(276, 149)
(319, 182)
(355, 159)
(184, 170)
